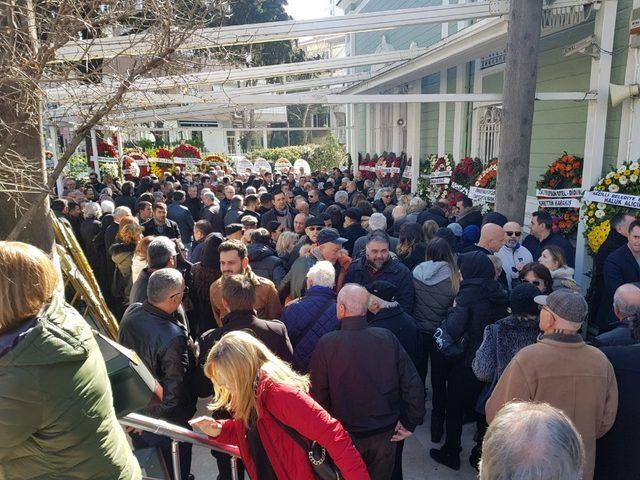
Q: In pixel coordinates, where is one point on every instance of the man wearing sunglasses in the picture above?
(513, 255)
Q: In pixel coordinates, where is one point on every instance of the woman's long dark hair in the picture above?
(410, 236)
(439, 250)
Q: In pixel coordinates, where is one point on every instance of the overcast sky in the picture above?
(304, 9)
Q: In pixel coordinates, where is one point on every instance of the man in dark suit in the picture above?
(281, 212)
(617, 238)
(182, 216)
(622, 266)
(211, 212)
(541, 236)
(160, 225)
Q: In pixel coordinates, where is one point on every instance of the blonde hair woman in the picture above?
(265, 396)
(51, 375)
(285, 245)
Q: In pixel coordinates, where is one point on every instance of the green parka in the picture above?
(56, 409)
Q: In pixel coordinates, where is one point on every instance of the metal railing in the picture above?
(180, 434)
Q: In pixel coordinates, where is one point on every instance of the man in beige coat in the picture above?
(563, 371)
(234, 260)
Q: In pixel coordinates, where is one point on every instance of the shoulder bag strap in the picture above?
(311, 324)
(293, 433)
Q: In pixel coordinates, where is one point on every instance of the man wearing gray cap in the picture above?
(563, 371)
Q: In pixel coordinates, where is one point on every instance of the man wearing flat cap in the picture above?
(328, 246)
(563, 371)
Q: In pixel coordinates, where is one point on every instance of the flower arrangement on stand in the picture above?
(158, 168)
(104, 150)
(429, 187)
(487, 180)
(464, 175)
(107, 150)
(597, 215)
(187, 151)
(212, 161)
(565, 172)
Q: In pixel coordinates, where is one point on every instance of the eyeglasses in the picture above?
(537, 283)
(184, 292)
(511, 234)
(316, 228)
(386, 196)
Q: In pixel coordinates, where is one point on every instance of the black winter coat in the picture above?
(162, 342)
(272, 333)
(367, 392)
(265, 263)
(214, 217)
(435, 214)
(403, 326)
(620, 267)
(89, 228)
(617, 451)
(170, 230)
(481, 301)
(394, 271)
(352, 233)
(614, 241)
(126, 201)
(271, 216)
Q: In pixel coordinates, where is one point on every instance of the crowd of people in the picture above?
(323, 307)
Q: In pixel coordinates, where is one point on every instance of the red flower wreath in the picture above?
(565, 172)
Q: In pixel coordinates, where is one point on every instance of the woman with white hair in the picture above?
(89, 228)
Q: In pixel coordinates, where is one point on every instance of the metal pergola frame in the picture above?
(286, 30)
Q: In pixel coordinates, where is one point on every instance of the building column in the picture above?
(459, 119)
(377, 128)
(395, 129)
(629, 143)
(368, 121)
(597, 110)
(442, 116)
(475, 119)
(265, 139)
(444, 32)
(414, 119)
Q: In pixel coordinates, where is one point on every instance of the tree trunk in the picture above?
(520, 76)
(23, 172)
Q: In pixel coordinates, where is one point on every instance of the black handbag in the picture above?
(452, 348)
(321, 463)
(132, 385)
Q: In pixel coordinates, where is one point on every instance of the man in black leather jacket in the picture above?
(160, 336)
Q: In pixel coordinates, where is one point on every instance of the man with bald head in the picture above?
(626, 306)
(617, 450)
(512, 254)
(378, 397)
(492, 239)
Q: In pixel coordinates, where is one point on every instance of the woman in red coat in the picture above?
(262, 392)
